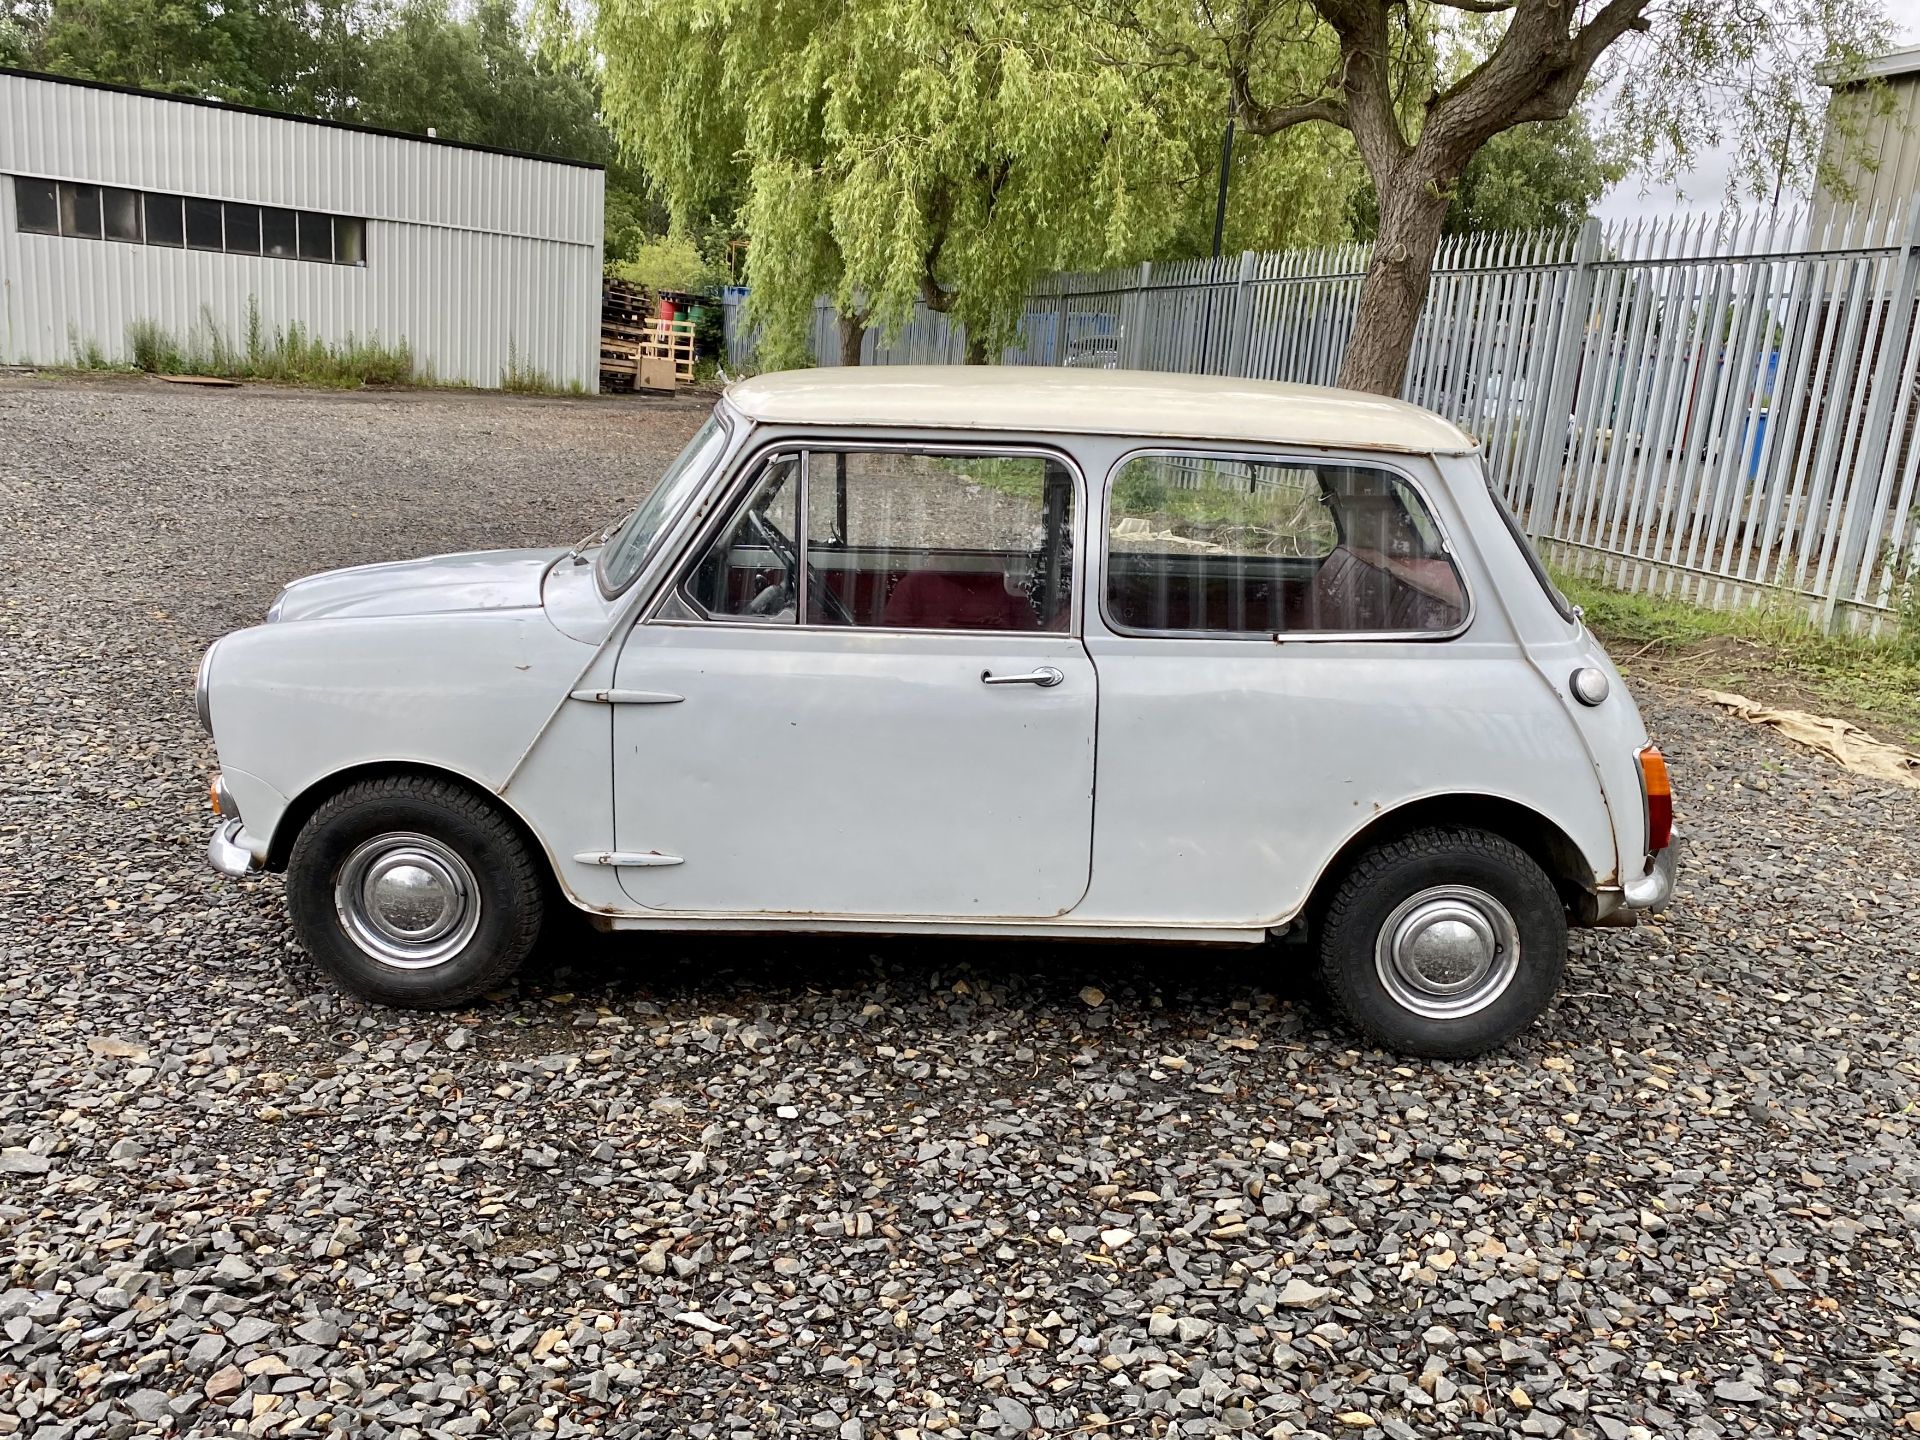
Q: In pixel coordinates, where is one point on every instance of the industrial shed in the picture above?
(1870, 151)
(121, 206)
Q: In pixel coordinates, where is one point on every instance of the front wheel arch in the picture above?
(302, 807)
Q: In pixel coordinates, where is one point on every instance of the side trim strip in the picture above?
(626, 857)
(627, 697)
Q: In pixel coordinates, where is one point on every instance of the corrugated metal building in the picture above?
(119, 206)
(1881, 169)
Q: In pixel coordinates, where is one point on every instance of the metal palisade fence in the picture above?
(1717, 407)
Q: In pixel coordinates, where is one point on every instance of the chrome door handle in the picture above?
(1046, 676)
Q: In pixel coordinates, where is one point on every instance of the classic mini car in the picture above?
(972, 651)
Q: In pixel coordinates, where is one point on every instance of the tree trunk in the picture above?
(1412, 211)
(853, 335)
(976, 350)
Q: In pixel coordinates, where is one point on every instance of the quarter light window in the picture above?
(136, 217)
(1232, 545)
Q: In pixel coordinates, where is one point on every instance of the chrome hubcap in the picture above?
(407, 900)
(1448, 952)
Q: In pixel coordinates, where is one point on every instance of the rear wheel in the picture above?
(1443, 943)
(413, 891)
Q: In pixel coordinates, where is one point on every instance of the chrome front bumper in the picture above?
(228, 851)
(1650, 893)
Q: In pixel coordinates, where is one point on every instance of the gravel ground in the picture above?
(852, 1188)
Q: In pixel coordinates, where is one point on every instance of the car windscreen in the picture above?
(1560, 602)
(627, 550)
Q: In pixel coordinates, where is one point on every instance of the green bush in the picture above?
(663, 263)
(153, 349)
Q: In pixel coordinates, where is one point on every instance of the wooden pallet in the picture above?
(671, 340)
(626, 318)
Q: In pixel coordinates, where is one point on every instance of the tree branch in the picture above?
(937, 300)
(1535, 73)
(1258, 119)
(1479, 7)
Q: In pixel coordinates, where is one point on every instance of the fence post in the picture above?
(1861, 519)
(1242, 314)
(1550, 447)
(1136, 318)
(1060, 333)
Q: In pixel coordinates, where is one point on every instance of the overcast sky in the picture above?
(1703, 186)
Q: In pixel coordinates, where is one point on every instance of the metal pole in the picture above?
(1220, 200)
(1219, 229)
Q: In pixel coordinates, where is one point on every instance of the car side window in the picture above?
(899, 539)
(1239, 545)
(751, 571)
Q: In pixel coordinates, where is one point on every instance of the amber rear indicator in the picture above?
(1658, 791)
(213, 794)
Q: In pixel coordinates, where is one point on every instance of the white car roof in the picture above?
(1095, 402)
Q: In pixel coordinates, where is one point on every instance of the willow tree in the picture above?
(1422, 85)
(939, 152)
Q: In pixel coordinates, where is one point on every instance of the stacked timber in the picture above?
(626, 326)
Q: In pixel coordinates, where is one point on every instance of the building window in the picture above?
(80, 211)
(162, 213)
(37, 203)
(243, 228)
(276, 232)
(349, 241)
(204, 231)
(120, 210)
(316, 236)
(97, 212)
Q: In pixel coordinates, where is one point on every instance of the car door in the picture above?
(865, 695)
(1270, 678)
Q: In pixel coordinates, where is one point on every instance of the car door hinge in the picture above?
(627, 697)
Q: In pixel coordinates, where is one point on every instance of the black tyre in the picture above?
(413, 891)
(1443, 943)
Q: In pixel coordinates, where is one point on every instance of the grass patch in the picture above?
(87, 355)
(523, 379)
(1770, 653)
(287, 355)
(293, 355)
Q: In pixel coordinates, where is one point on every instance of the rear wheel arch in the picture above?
(1549, 846)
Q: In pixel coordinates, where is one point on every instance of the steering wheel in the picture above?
(769, 535)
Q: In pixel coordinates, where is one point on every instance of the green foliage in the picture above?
(890, 151)
(153, 349)
(87, 354)
(665, 264)
(1544, 176)
(289, 355)
(530, 380)
(634, 214)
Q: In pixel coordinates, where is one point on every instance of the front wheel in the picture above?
(412, 891)
(1444, 943)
